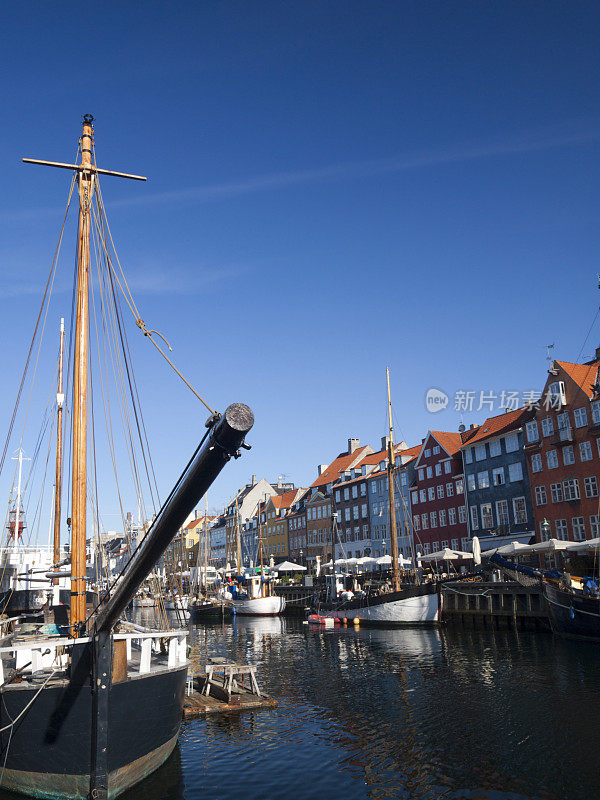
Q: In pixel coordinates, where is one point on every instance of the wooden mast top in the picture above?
(391, 466)
(86, 174)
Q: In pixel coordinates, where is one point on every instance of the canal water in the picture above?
(409, 714)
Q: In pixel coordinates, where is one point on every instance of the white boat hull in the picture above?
(419, 610)
(259, 606)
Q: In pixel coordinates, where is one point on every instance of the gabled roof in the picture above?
(501, 423)
(342, 462)
(287, 499)
(198, 521)
(584, 375)
(451, 442)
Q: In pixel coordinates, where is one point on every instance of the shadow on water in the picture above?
(412, 714)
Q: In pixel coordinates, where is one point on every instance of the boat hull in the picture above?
(416, 606)
(209, 611)
(259, 606)
(50, 751)
(572, 615)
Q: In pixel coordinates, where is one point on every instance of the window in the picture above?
(585, 451)
(562, 420)
(373, 487)
(337, 496)
(552, 459)
(515, 472)
(512, 443)
(440, 491)
(425, 521)
(469, 455)
(355, 491)
(495, 448)
(483, 479)
(363, 489)
(591, 486)
(498, 476)
(561, 529)
(595, 412)
(431, 493)
(474, 518)
(502, 512)
(421, 474)
(451, 516)
(465, 544)
(454, 544)
(426, 549)
(364, 509)
(422, 495)
(404, 479)
(319, 512)
(416, 522)
(347, 514)
(533, 434)
(536, 462)
(578, 528)
(487, 519)
(354, 512)
(444, 544)
(568, 455)
(556, 394)
(447, 467)
(540, 496)
(442, 518)
(449, 490)
(429, 472)
(438, 469)
(427, 453)
(580, 417)
(460, 488)
(471, 485)
(594, 527)
(436, 450)
(520, 510)
(462, 514)
(433, 519)
(571, 489)
(480, 452)
(556, 492)
(547, 426)
(346, 493)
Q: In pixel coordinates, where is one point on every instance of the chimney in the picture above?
(353, 444)
(472, 426)
(254, 480)
(279, 481)
(597, 353)
(321, 469)
(385, 442)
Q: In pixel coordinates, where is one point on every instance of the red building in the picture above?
(563, 453)
(437, 497)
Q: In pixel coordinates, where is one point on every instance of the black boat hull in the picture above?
(572, 615)
(50, 751)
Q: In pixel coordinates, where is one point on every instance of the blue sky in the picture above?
(333, 188)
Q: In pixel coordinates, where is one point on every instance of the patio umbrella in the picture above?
(589, 544)
(514, 549)
(447, 555)
(384, 560)
(289, 566)
(549, 546)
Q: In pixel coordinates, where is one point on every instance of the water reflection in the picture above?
(409, 714)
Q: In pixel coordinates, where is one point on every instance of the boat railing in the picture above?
(53, 653)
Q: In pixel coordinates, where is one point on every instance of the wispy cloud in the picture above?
(529, 141)
(157, 280)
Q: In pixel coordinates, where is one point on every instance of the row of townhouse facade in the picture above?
(528, 472)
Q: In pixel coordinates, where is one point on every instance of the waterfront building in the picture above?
(379, 503)
(437, 496)
(245, 504)
(297, 532)
(275, 531)
(194, 530)
(498, 494)
(218, 542)
(563, 452)
(327, 476)
(319, 526)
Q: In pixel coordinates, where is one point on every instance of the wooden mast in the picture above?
(80, 385)
(60, 398)
(238, 539)
(205, 546)
(391, 465)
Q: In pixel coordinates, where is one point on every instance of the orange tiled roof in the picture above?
(450, 441)
(342, 462)
(494, 426)
(584, 375)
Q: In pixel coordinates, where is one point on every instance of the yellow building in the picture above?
(275, 528)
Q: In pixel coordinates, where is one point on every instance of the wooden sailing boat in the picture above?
(406, 603)
(92, 714)
(205, 607)
(255, 596)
